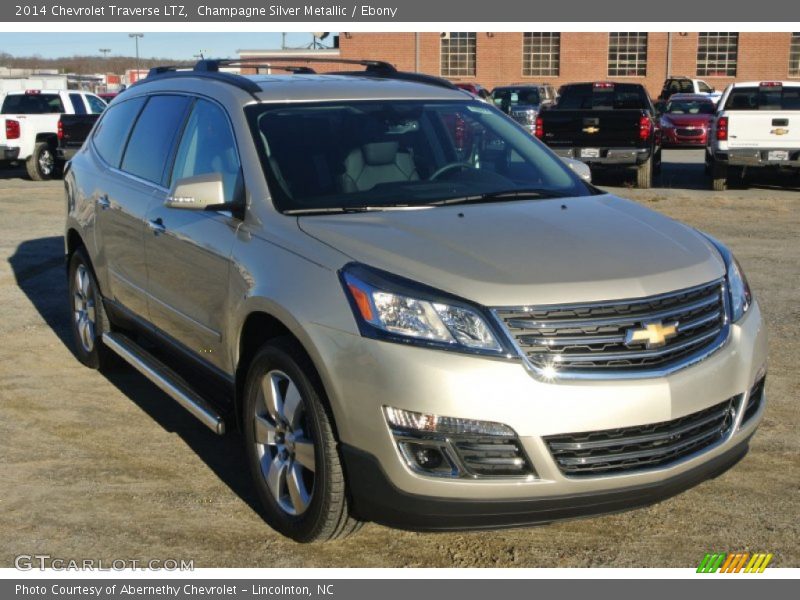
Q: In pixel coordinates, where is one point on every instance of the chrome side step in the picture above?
(166, 379)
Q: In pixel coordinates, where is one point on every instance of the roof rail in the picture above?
(210, 68)
(213, 64)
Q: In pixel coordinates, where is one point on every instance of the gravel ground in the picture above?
(108, 467)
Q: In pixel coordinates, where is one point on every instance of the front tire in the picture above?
(291, 447)
(88, 318)
(42, 164)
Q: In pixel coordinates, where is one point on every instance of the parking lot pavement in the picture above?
(107, 467)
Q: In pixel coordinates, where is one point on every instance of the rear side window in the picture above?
(96, 105)
(32, 104)
(587, 96)
(768, 98)
(208, 146)
(153, 137)
(77, 104)
(113, 129)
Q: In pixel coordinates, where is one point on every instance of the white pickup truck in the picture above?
(29, 126)
(757, 126)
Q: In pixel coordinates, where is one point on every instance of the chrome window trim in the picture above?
(611, 375)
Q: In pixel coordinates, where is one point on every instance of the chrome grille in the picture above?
(591, 339)
(689, 132)
(643, 447)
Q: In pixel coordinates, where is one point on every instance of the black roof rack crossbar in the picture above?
(213, 64)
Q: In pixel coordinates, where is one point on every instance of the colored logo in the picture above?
(779, 131)
(652, 334)
(591, 129)
(738, 562)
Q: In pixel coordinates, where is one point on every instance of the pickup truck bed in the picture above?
(72, 132)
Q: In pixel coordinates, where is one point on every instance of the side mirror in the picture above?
(202, 192)
(581, 169)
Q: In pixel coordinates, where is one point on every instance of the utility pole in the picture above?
(136, 37)
(104, 52)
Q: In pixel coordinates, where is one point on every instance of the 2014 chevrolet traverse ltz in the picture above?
(414, 311)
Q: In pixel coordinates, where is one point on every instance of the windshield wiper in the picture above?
(338, 210)
(502, 196)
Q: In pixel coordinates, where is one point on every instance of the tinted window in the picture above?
(153, 136)
(77, 104)
(32, 104)
(587, 96)
(703, 87)
(96, 105)
(756, 98)
(112, 131)
(208, 146)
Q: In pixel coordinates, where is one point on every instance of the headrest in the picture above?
(380, 153)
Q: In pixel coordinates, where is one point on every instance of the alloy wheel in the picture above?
(284, 443)
(84, 308)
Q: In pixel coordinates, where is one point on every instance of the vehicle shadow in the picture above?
(39, 270)
(14, 171)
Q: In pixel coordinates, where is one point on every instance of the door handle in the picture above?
(103, 202)
(156, 226)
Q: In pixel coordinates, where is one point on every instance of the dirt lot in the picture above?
(108, 467)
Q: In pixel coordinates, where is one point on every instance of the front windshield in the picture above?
(375, 154)
(690, 107)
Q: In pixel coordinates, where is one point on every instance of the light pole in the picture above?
(136, 37)
(104, 52)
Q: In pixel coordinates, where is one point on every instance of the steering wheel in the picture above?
(449, 167)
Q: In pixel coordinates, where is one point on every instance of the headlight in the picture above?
(740, 296)
(394, 309)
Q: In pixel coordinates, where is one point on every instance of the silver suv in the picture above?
(414, 312)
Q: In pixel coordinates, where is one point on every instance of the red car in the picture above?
(686, 120)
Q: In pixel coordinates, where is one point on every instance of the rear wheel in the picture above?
(644, 174)
(719, 177)
(88, 316)
(42, 164)
(291, 448)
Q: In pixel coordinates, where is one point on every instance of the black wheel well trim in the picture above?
(50, 138)
(259, 328)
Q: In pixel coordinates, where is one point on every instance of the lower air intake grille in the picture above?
(492, 456)
(643, 447)
(754, 400)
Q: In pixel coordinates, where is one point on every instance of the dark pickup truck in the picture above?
(72, 132)
(605, 125)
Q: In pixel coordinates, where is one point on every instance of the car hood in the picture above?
(528, 252)
(689, 119)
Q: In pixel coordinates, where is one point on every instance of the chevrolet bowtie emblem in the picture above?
(779, 131)
(591, 129)
(653, 335)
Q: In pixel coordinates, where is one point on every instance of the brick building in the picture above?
(493, 59)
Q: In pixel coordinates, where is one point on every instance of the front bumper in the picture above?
(9, 153)
(757, 157)
(674, 137)
(606, 156)
(364, 375)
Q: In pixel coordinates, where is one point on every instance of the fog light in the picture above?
(428, 458)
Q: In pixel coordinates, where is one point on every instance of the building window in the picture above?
(794, 56)
(541, 53)
(458, 54)
(627, 54)
(717, 54)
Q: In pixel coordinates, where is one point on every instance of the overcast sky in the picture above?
(152, 45)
